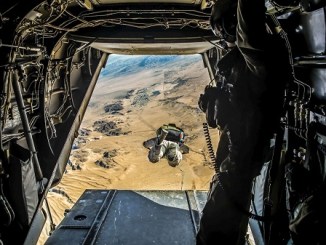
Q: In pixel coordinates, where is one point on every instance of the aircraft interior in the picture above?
(52, 52)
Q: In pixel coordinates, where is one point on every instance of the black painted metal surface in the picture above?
(132, 217)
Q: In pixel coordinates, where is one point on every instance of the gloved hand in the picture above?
(227, 165)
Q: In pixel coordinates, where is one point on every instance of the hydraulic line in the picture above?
(27, 129)
(35, 49)
(7, 212)
(6, 208)
(52, 225)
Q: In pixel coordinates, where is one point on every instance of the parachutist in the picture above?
(168, 144)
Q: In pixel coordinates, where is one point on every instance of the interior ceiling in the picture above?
(146, 1)
(153, 48)
(133, 27)
(144, 44)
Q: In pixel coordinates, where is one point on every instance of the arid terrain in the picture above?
(133, 98)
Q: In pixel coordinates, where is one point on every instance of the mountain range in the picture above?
(123, 65)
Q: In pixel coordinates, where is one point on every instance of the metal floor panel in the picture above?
(132, 217)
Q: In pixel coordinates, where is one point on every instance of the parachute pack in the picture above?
(175, 133)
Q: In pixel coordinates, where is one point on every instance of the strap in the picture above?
(217, 177)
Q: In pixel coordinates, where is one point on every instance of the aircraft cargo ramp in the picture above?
(116, 217)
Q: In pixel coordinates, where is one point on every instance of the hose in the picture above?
(6, 212)
(209, 144)
(52, 225)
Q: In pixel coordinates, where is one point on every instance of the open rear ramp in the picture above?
(132, 217)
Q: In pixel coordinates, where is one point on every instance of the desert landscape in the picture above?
(133, 97)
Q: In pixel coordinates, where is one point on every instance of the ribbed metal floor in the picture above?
(132, 217)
